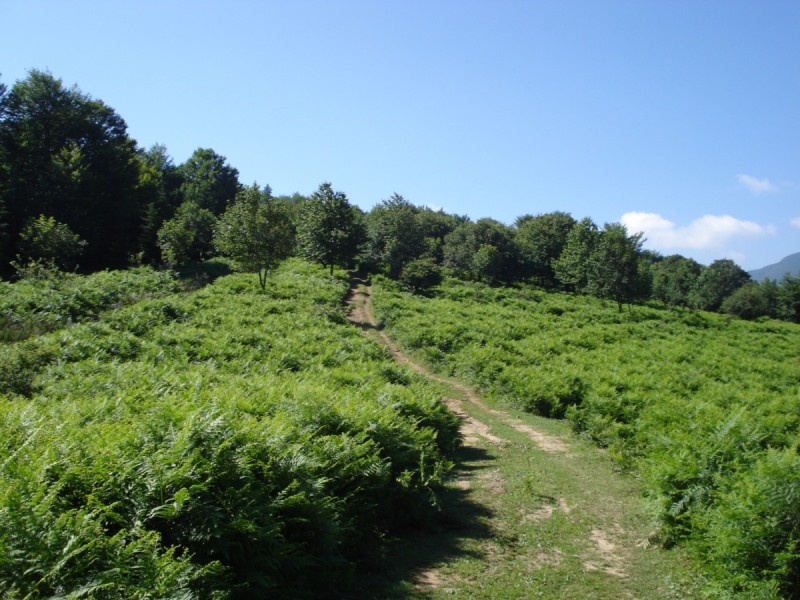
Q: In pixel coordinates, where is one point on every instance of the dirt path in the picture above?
(561, 514)
(360, 314)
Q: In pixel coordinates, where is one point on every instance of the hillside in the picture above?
(233, 442)
(704, 409)
(787, 265)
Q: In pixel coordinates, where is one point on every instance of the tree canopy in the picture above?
(329, 231)
(68, 156)
(256, 232)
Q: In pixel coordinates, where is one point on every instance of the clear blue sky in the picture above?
(681, 118)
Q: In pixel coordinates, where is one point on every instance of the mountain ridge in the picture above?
(788, 264)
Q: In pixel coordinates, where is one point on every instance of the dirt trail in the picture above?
(607, 548)
(360, 314)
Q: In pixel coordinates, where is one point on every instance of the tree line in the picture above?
(77, 192)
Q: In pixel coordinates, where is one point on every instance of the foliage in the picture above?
(540, 240)
(256, 232)
(613, 268)
(68, 156)
(748, 302)
(329, 232)
(674, 278)
(716, 282)
(36, 305)
(703, 407)
(788, 299)
(208, 181)
(571, 268)
(188, 235)
(225, 443)
(394, 235)
(45, 240)
(420, 275)
(159, 186)
(483, 250)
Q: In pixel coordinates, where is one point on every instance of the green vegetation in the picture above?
(330, 230)
(52, 299)
(234, 441)
(255, 233)
(703, 407)
(228, 442)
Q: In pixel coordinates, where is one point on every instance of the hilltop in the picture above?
(789, 264)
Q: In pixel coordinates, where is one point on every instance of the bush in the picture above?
(747, 302)
(420, 275)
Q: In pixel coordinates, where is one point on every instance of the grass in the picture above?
(525, 523)
(522, 521)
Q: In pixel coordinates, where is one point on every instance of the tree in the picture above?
(45, 240)
(540, 240)
(788, 298)
(256, 232)
(421, 274)
(159, 185)
(750, 301)
(718, 281)
(487, 264)
(613, 268)
(209, 181)
(435, 226)
(395, 236)
(66, 155)
(329, 232)
(674, 278)
(188, 235)
(571, 268)
(482, 250)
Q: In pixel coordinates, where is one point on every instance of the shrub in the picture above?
(421, 274)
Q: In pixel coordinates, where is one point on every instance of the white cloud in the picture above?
(709, 231)
(756, 186)
(795, 222)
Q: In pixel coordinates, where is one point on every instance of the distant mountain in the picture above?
(790, 264)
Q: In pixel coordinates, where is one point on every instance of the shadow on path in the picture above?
(408, 567)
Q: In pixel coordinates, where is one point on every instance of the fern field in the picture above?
(704, 408)
(54, 299)
(224, 443)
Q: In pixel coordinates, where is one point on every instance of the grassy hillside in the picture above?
(703, 407)
(223, 443)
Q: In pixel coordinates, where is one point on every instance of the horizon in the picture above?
(674, 119)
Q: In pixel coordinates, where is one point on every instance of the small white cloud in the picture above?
(709, 231)
(795, 222)
(756, 186)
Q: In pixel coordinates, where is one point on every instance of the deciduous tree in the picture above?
(613, 267)
(572, 266)
(188, 235)
(540, 240)
(395, 236)
(329, 232)
(66, 155)
(718, 281)
(256, 232)
(45, 240)
(209, 181)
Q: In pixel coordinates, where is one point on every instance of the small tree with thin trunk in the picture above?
(256, 232)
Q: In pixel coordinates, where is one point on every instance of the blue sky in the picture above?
(679, 118)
